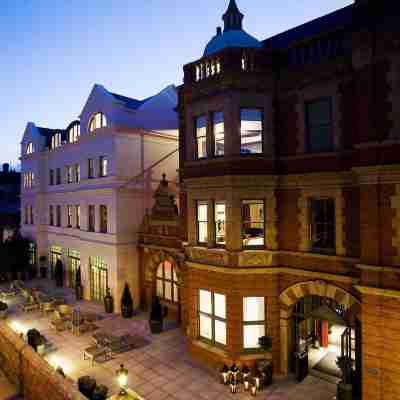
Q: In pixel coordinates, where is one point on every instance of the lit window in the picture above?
(29, 179)
(103, 166)
(69, 216)
(167, 282)
(253, 223)
(253, 321)
(323, 230)
(251, 131)
(201, 137)
(220, 223)
(319, 126)
(212, 316)
(56, 140)
(103, 219)
(97, 121)
(74, 133)
(202, 222)
(29, 148)
(219, 133)
(69, 174)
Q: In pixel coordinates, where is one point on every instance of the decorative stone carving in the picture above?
(214, 257)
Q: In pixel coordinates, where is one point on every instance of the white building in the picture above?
(85, 188)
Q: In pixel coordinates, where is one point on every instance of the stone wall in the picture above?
(32, 375)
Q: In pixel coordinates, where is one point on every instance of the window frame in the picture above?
(213, 134)
(171, 281)
(51, 177)
(198, 203)
(58, 216)
(91, 168)
(58, 176)
(315, 249)
(77, 173)
(253, 247)
(103, 166)
(69, 216)
(29, 149)
(91, 216)
(253, 323)
(261, 110)
(196, 137)
(103, 224)
(213, 318)
(92, 126)
(77, 216)
(51, 215)
(308, 145)
(219, 244)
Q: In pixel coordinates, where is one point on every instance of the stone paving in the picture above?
(159, 369)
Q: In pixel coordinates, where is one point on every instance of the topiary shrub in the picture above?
(126, 303)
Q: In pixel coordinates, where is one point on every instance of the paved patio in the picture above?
(159, 369)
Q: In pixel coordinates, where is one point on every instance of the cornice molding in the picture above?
(373, 175)
(378, 291)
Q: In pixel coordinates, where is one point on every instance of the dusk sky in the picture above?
(53, 51)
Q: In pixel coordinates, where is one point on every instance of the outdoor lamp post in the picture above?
(225, 374)
(233, 385)
(122, 375)
(235, 371)
(257, 380)
(245, 373)
(246, 384)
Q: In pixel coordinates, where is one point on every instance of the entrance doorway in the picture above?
(321, 333)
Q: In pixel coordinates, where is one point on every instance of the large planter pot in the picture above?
(79, 292)
(43, 272)
(126, 311)
(108, 304)
(86, 386)
(156, 326)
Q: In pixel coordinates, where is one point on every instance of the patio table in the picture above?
(94, 352)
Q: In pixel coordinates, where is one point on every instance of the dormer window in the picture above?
(74, 133)
(56, 140)
(97, 121)
(29, 148)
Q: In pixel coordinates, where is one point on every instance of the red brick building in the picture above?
(290, 197)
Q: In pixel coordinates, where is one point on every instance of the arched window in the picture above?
(29, 148)
(56, 140)
(167, 282)
(97, 121)
(74, 133)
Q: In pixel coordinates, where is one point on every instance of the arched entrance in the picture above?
(163, 279)
(318, 321)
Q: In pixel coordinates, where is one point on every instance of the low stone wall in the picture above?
(32, 375)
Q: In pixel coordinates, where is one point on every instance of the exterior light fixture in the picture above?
(122, 374)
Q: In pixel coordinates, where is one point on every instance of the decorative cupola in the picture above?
(233, 17)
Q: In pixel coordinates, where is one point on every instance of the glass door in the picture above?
(74, 263)
(98, 278)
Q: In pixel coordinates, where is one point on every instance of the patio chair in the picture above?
(122, 344)
(65, 311)
(59, 323)
(47, 308)
(30, 305)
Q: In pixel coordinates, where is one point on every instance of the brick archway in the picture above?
(156, 259)
(290, 296)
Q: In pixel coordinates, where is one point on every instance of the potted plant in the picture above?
(35, 339)
(108, 302)
(157, 315)
(100, 392)
(78, 285)
(43, 267)
(3, 310)
(126, 303)
(59, 273)
(87, 385)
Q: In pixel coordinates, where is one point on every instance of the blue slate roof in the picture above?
(330, 22)
(131, 103)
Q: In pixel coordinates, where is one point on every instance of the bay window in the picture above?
(201, 137)
(220, 223)
(212, 317)
(253, 233)
(251, 131)
(202, 222)
(219, 133)
(253, 321)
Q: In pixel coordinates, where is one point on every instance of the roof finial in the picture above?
(233, 17)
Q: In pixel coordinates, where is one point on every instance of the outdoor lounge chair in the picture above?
(121, 344)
